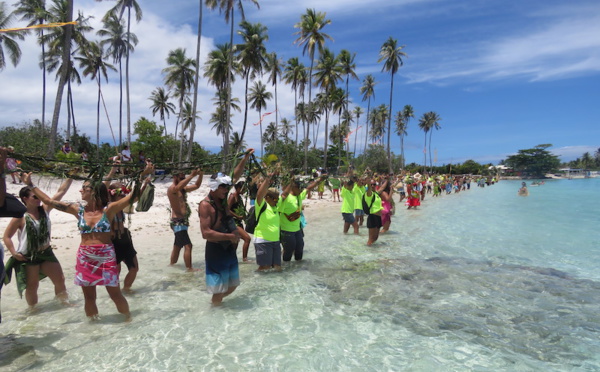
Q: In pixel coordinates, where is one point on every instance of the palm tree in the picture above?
(180, 77)
(35, 12)
(236, 142)
(273, 69)
(347, 66)
(196, 78)
(346, 121)
(119, 42)
(8, 39)
(227, 6)
(407, 113)
(379, 117)
(188, 117)
(119, 8)
(313, 113)
(251, 57)
(219, 118)
(301, 113)
(295, 74)
(368, 90)
(93, 65)
(358, 111)
(425, 124)
(258, 101)
(215, 68)
(59, 40)
(401, 125)
(311, 36)
(270, 134)
(286, 128)
(328, 73)
(391, 54)
(161, 104)
(338, 100)
(434, 118)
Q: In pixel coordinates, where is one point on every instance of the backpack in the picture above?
(367, 208)
(252, 220)
(146, 199)
(12, 207)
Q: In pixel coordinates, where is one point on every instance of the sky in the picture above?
(503, 76)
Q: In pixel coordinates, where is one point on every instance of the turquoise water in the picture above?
(478, 281)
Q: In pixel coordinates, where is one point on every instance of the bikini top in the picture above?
(103, 225)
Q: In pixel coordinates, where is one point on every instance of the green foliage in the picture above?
(469, 167)
(28, 138)
(152, 141)
(375, 158)
(586, 161)
(61, 156)
(291, 155)
(535, 162)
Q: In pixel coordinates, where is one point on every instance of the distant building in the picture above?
(501, 169)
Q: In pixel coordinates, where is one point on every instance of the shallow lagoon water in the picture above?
(483, 280)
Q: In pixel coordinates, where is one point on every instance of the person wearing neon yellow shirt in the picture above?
(266, 233)
(349, 192)
(373, 207)
(359, 214)
(290, 208)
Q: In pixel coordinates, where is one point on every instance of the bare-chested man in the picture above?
(180, 213)
(222, 237)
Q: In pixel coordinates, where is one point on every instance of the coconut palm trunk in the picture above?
(195, 101)
(127, 77)
(245, 106)
(63, 77)
(44, 80)
(389, 128)
(228, 100)
(98, 119)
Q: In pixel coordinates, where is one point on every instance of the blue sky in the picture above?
(503, 76)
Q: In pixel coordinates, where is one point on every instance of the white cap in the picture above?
(218, 179)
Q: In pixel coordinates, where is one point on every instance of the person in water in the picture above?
(290, 210)
(180, 214)
(96, 259)
(373, 207)
(124, 248)
(221, 234)
(9, 207)
(33, 257)
(267, 232)
(523, 191)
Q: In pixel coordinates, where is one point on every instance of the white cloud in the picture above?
(553, 47)
(568, 153)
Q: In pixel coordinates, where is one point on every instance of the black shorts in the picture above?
(374, 221)
(182, 239)
(124, 249)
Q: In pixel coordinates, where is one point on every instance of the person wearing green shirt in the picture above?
(335, 188)
(373, 207)
(359, 214)
(267, 231)
(349, 192)
(292, 236)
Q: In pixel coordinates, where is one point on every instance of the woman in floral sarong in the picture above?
(96, 259)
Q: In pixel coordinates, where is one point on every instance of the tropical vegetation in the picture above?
(327, 129)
